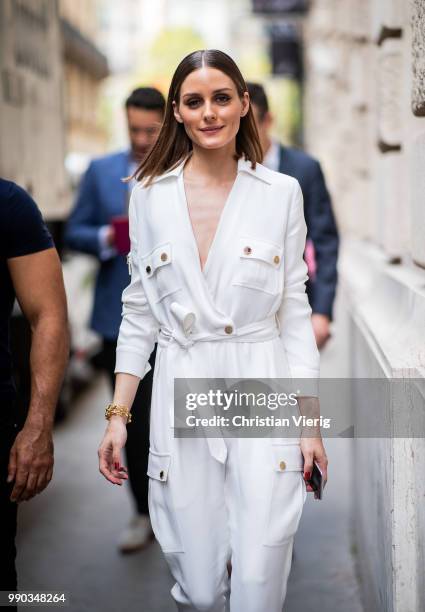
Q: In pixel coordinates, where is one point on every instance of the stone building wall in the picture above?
(85, 68)
(32, 143)
(365, 120)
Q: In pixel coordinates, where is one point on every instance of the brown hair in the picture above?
(173, 144)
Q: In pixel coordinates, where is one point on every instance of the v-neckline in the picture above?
(204, 270)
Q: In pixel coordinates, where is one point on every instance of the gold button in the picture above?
(148, 269)
(164, 256)
(247, 250)
(228, 329)
(282, 465)
(161, 474)
(276, 259)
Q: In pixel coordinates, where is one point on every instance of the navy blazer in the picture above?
(102, 195)
(321, 226)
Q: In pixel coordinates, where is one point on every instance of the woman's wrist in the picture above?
(116, 418)
(311, 432)
(120, 410)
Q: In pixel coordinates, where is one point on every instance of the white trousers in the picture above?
(205, 513)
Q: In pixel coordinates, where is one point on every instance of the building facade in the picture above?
(85, 68)
(365, 120)
(32, 144)
(51, 75)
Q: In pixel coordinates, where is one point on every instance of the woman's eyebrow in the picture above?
(195, 93)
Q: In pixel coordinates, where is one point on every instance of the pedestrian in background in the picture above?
(98, 225)
(30, 271)
(322, 235)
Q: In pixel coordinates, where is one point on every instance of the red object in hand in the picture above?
(310, 259)
(121, 234)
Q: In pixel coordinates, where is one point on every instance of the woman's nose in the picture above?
(209, 112)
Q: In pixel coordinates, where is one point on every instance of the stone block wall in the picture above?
(365, 121)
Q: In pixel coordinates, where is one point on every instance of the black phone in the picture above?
(316, 481)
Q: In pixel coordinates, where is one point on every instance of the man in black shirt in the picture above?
(30, 270)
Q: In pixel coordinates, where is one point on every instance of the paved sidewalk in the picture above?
(67, 536)
(323, 573)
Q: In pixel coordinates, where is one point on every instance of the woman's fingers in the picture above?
(322, 462)
(308, 465)
(313, 451)
(106, 463)
(121, 472)
(110, 453)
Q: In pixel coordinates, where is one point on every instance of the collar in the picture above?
(244, 165)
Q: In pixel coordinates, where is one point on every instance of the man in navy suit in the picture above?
(322, 234)
(103, 196)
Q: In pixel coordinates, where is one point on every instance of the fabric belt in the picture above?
(183, 338)
(259, 331)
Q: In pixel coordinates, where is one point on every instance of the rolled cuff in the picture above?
(129, 362)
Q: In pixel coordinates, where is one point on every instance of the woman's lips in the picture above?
(212, 130)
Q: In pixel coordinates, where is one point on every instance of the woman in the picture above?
(218, 278)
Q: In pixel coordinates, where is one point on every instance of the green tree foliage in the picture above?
(158, 64)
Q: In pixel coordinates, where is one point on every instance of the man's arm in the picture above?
(38, 283)
(324, 235)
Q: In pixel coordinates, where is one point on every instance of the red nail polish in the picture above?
(117, 465)
(307, 475)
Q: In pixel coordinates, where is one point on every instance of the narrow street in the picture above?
(67, 536)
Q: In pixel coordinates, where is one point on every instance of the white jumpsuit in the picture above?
(246, 315)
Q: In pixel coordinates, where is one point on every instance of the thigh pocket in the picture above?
(259, 266)
(159, 271)
(161, 508)
(287, 494)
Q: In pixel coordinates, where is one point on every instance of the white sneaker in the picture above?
(137, 535)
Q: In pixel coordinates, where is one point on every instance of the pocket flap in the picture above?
(158, 465)
(257, 249)
(287, 458)
(159, 256)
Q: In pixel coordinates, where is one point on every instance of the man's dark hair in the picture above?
(259, 98)
(146, 98)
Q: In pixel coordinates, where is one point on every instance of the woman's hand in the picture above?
(313, 449)
(109, 452)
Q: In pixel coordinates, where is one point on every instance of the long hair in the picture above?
(173, 145)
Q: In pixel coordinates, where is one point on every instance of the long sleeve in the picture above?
(139, 328)
(82, 229)
(324, 235)
(294, 314)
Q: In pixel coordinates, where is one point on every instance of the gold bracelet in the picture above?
(113, 409)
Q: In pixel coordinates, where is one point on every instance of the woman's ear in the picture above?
(245, 104)
(176, 113)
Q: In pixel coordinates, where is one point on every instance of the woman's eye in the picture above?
(221, 99)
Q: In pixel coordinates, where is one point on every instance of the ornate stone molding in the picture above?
(418, 58)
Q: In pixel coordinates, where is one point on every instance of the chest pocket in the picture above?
(260, 265)
(159, 272)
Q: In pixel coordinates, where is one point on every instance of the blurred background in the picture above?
(345, 79)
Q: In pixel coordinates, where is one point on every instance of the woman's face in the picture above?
(210, 108)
